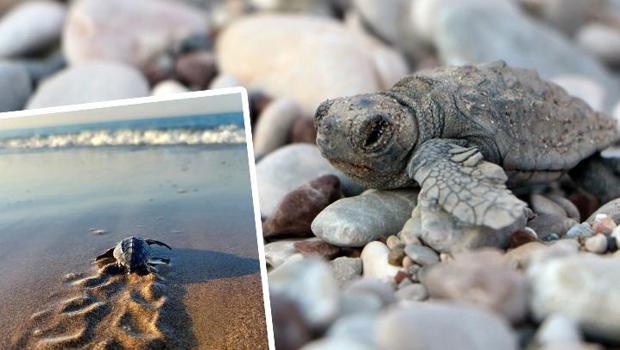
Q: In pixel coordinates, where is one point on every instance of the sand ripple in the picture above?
(111, 310)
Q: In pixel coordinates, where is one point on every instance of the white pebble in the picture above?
(596, 244)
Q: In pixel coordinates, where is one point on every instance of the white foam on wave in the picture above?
(229, 134)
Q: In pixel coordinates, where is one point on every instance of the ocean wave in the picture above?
(229, 134)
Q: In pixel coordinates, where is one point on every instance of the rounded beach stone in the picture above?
(413, 292)
(601, 40)
(276, 253)
(546, 224)
(558, 329)
(31, 27)
(90, 82)
(196, 69)
(300, 206)
(439, 326)
(289, 167)
(303, 130)
(168, 87)
(15, 85)
(310, 284)
(289, 326)
(345, 269)
(360, 327)
(596, 244)
(580, 231)
(134, 32)
(375, 262)
(421, 255)
(355, 221)
(274, 125)
(222, 81)
(484, 278)
(611, 208)
(583, 287)
(543, 205)
(316, 247)
(290, 60)
(604, 224)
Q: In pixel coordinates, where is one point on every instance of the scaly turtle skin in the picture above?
(133, 254)
(463, 134)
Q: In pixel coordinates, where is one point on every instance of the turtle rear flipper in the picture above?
(459, 181)
(109, 254)
(152, 241)
(159, 261)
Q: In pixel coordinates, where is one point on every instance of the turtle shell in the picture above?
(132, 253)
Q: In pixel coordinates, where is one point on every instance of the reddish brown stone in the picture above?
(289, 327)
(196, 69)
(401, 275)
(317, 247)
(300, 206)
(521, 237)
(303, 131)
(585, 202)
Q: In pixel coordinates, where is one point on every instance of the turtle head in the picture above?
(369, 137)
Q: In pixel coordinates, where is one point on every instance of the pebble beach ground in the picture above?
(347, 266)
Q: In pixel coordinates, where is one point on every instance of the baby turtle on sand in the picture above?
(463, 134)
(134, 254)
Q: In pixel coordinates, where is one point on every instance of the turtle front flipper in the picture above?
(458, 180)
(109, 254)
(152, 241)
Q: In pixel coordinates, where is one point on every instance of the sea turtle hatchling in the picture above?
(464, 134)
(133, 254)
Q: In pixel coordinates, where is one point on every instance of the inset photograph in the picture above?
(130, 225)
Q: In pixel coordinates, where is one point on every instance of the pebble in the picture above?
(168, 87)
(413, 292)
(31, 27)
(484, 278)
(421, 255)
(276, 253)
(303, 131)
(289, 326)
(373, 286)
(568, 206)
(108, 30)
(41, 68)
(90, 82)
(355, 221)
(596, 244)
(524, 42)
(546, 224)
(289, 167)
(521, 237)
(611, 209)
(396, 255)
(375, 262)
(345, 269)
(222, 81)
(440, 326)
(316, 247)
(585, 88)
(558, 329)
(300, 206)
(356, 63)
(314, 7)
(337, 343)
(393, 242)
(543, 205)
(15, 85)
(580, 231)
(196, 69)
(600, 40)
(602, 223)
(582, 287)
(358, 327)
(272, 130)
(310, 284)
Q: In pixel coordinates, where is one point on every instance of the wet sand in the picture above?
(197, 199)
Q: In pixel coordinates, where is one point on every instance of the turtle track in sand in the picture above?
(111, 310)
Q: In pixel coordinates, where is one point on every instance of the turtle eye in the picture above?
(374, 131)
